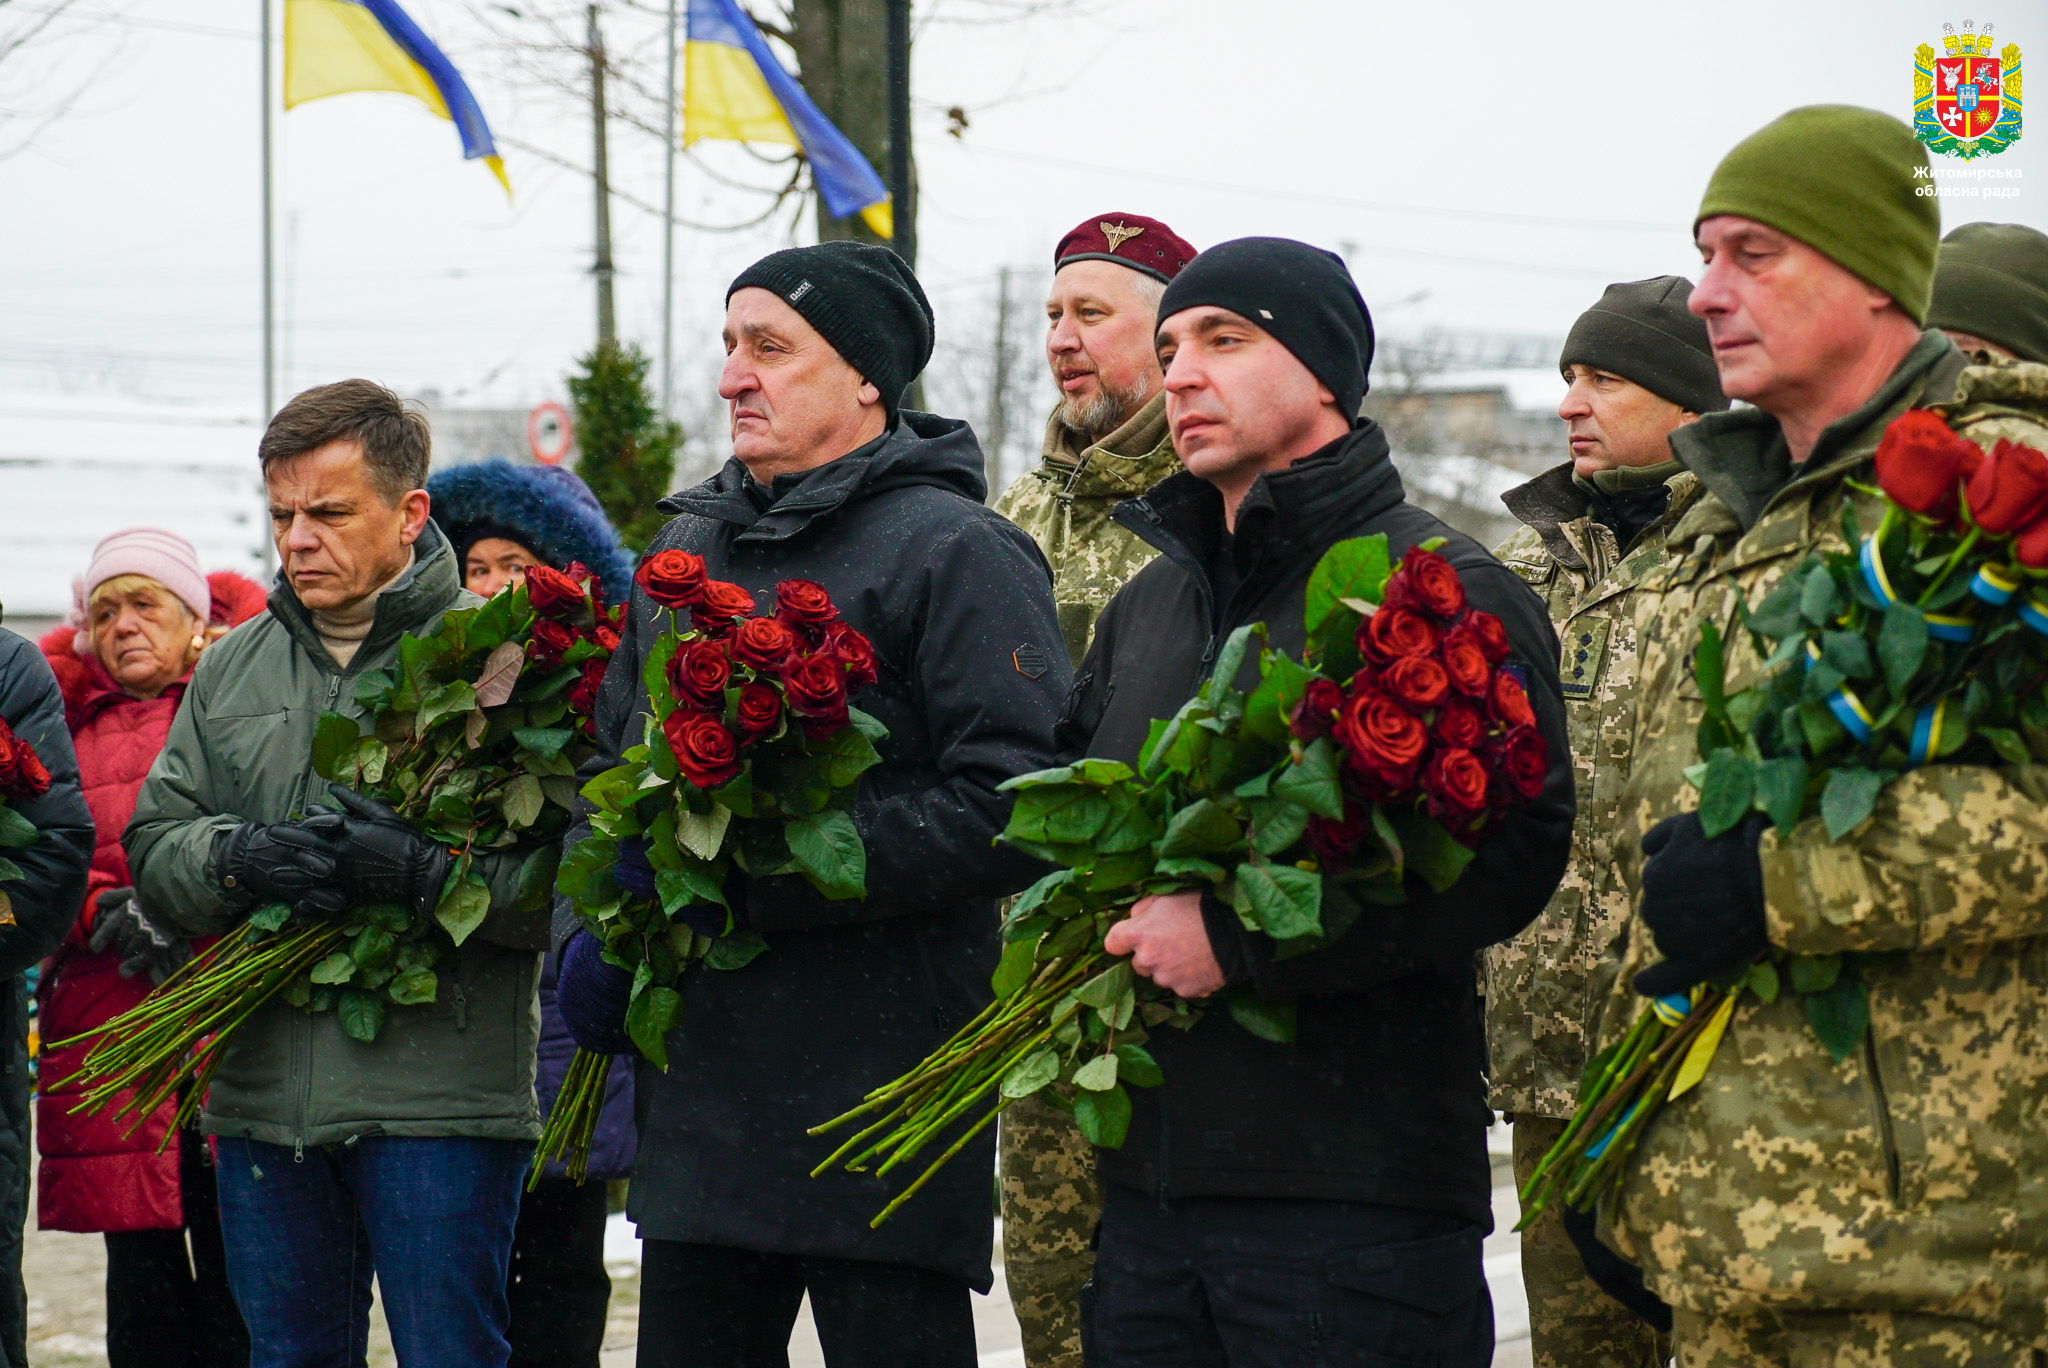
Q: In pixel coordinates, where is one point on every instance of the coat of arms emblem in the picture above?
(1966, 101)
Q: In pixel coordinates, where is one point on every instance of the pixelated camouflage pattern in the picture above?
(1049, 1196)
(1870, 1339)
(1911, 1178)
(1572, 1323)
(1544, 988)
(1064, 504)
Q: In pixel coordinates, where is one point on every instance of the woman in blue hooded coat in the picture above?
(501, 519)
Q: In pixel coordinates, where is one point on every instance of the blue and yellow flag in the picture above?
(735, 89)
(332, 47)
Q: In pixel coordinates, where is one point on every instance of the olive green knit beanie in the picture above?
(1842, 180)
(1991, 281)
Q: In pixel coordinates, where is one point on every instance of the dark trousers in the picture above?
(1231, 1282)
(703, 1306)
(168, 1303)
(558, 1288)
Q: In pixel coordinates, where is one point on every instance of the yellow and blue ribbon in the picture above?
(1940, 626)
(1928, 725)
(1993, 585)
(1845, 705)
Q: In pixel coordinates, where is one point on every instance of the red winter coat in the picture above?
(93, 1178)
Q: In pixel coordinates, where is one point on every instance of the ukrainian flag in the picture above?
(332, 47)
(736, 90)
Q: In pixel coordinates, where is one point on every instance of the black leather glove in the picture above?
(1611, 1273)
(280, 862)
(379, 857)
(1703, 900)
(144, 940)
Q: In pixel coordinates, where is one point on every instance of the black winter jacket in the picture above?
(45, 901)
(1381, 1096)
(849, 995)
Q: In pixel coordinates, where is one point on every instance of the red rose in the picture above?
(852, 650)
(1465, 661)
(1511, 702)
(1425, 582)
(1460, 724)
(700, 671)
(1455, 782)
(583, 697)
(1392, 633)
(1418, 681)
(816, 686)
(673, 579)
(1364, 679)
(554, 595)
(1314, 715)
(1487, 631)
(718, 603)
(2010, 489)
(1921, 464)
(759, 709)
(21, 770)
(1523, 761)
(1380, 735)
(1334, 843)
(706, 752)
(2030, 548)
(607, 640)
(763, 643)
(800, 603)
(550, 639)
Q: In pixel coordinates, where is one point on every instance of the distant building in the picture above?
(462, 435)
(1461, 440)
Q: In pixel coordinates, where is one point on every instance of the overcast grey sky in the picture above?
(1490, 164)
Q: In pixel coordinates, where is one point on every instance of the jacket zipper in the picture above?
(302, 1025)
(1165, 1155)
(1176, 551)
(1884, 1116)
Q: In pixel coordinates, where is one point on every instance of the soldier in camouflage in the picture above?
(1106, 442)
(1889, 1210)
(1636, 366)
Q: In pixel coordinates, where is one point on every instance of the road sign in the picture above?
(549, 433)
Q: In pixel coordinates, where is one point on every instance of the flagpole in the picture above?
(668, 227)
(269, 263)
(902, 210)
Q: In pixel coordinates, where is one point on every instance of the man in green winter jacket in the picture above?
(1886, 1209)
(1637, 367)
(1106, 442)
(337, 1158)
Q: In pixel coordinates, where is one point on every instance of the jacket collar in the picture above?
(1127, 462)
(921, 449)
(414, 599)
(1544, 505)
(1741, 456)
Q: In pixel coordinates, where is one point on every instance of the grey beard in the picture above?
(1102, 415)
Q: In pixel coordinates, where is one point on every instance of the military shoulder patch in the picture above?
(1030, 662)
(1585, 651)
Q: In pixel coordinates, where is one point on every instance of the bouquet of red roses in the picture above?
(750, 758)
(1388, 749)
(21, 776)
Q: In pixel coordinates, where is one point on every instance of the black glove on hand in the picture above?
(144, 940)
(281, 862)
(380, 857)
(1703, 900)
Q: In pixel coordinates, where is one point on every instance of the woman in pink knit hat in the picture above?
(144, 612)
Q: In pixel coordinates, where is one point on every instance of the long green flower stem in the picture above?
(572, 1121)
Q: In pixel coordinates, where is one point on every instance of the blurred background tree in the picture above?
(628, 448)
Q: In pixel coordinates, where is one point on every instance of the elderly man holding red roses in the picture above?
(1322, 1200)
(836, 497)
(1885, 1207)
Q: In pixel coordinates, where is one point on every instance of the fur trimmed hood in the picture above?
(547, 509)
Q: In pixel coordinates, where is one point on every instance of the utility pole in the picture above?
(672, 95)
(269, 262)
(998, 431)
(903, 203)
(607, 322)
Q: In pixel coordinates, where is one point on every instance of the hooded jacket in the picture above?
(239, 751)
(98, 1173)
(851, 994)
(546, 509)
(1381, 1096)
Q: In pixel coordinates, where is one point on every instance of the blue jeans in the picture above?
(432, 1217)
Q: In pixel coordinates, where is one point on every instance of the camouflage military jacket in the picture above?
(1911, 1177)
(1064, 504)
(1543, 991)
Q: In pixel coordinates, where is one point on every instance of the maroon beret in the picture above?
(1143, 244)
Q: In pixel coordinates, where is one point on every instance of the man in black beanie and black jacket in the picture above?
(832, 482)
(1322, 1201)
(1637, 367)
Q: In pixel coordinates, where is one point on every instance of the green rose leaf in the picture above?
(1840, 1015)
(1229, 660)
(16, 830)
(687, 885)
(1104, 1117)
(1354, 568)
(1818, 594)
(1850, 797)
(1276, 825)
(703, 833)
(1098, 1074)
(413, 987)
(1707, 669)
(463, 907)
(1312, 781)
(271, 918)
(1204, 827)
(1781, 790)
(1428, 849)
(1272, 1021)
(522, 801)
(1013, 971)
(1137, 1067)
(736, 951)
(543, 740)
(500, 673)
(361, 1014)
(1726, 791)
(1102, 991)
(1901, 646)
(450, 700)
(850, 754)
(649, 1020)
(1762, 979)
(336, 968)
(1286, 902)
(535, 887)
(828, 851)
(1031, 1073)
(1283, 683)
(1814, 973)
(334, 739)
